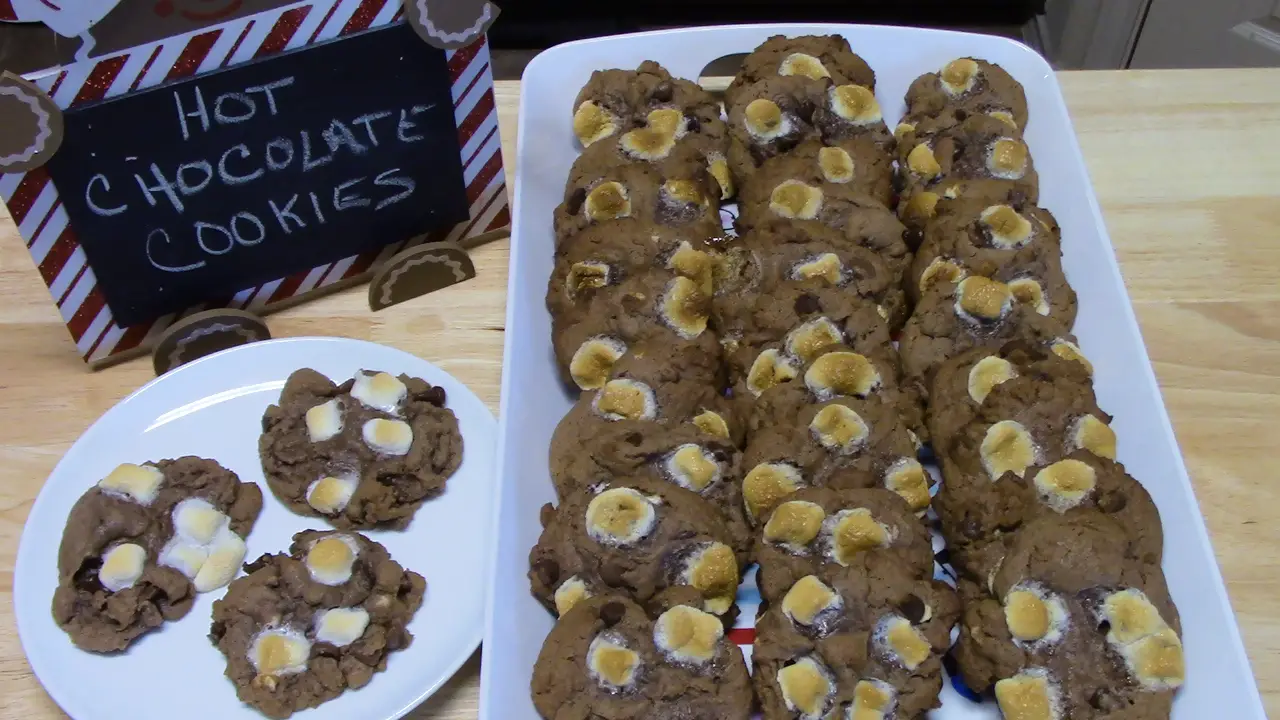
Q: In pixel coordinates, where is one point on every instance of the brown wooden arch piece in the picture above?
(31, 123)
(418, 271)
(205, 333)
(450, 24)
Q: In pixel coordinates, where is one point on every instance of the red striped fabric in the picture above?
(24, 197)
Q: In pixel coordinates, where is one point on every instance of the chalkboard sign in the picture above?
(198, 189)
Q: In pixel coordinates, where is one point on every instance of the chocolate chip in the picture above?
(1104, 627)
(612, 613)
(1017, 199)
(576, 198)
(663, 92)
(912, 609)
(1112, 503)
(807, 304)
(899, 183)
(805, 110)
(913, 237)
(548, 571)
(436, 396)
(546, 514)
(634, 438)
(961, 115)
(612, 574)
(693, 123)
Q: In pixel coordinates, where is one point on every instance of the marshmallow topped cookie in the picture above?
(362, 454)
(143, 542)
(968, 86)
(303, 627)
(607, 658)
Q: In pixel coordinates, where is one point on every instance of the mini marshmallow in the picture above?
(901, 641)
(809, 599)
(958, 76)
(611, 663)
(688, 635)
(570, 593)
(1007, 447)
(987, 373)
(1029, 292)
(1068, 350)
(807, 688)
(682, 192)
(710, 422)
(764, 120)
(198, 521)
(389, 437)
(826, 266)
(183, 556)
(341, 626)
(668, 121)
(803, 64)
(796, 200)
(331, 558)
(855, 103)
(1029, 695)
(607, 201)
(1007, 159)
(139, 483)
(1090, 433)
(770, 368)
(692, 467)
(839, 429)
(872, 700)
(1034, 615)
(806, 340)
(836, 165)
(587, 275)
(841, 373)
(226, 554)
(766, 484)
(712, 569)
(279, 651)
(620, 516)
(122, 565)
(695, 265)
(941, 269)
(625, 399)
(1065, 484)
(592, 123)
(329, 495)
(794, 523)
(1008, 229)
(855, 531)
(381, 391)
(718, 168)
(324, 421)
(684, 308)
(594, 359)
(908, 478)
(981, 299)
(647, 143)
(922, 162)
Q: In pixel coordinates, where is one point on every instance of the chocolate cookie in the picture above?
(976, 515)
(649, 315)
(976, 312)
(858, 163)
(970, 86)
(615, 101)
(143, 541)
(1069, 627)
(823, 60)
(366, 453)
(637, 537)
(858, 645)
(304, 627)
(846, 442)
(962, 384)
(862, 220)
(998, 243)
(640, 191)
(607, 660)
(605, 278)
(825, 532)
(982, 160)
(791, 322)
(779, 387)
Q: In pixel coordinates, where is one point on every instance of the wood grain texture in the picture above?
(1185, 164)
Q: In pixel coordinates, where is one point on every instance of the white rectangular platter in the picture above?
(1219, 680)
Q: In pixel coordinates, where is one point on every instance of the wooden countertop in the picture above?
(1186, 165)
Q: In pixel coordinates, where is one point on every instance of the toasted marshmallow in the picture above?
(389, 437)
(811, 602)
(611, 663)
(901, 641)
(872, 700)
(592, 122)
(688, 635)
(324, 421)
(907, 477)
(330, 559)
(1034, 615)
(198, 521)
(625, 399)
(620, 516)
(1029, 695)
(987, 373)
(570, 593)
(593, 360)
(139, 483)
(766, 484)
(803, 64)
(807, 688)
(380, 391)
(1007, 447)
(958, 76)
(855, 531)
(713, 570)
(691, 466)
(341, 626)
(280, 651)
(794, 523)
(122, 565)
(329, 495)
(183, 556)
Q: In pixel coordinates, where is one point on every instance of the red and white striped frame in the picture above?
(42, 220)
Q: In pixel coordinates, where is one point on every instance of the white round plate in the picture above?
(213, 408)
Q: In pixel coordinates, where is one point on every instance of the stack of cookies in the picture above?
(642, 557)
(1057, 548)
(807, 301)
